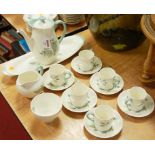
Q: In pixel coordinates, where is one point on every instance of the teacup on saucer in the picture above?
(106, 130)
(136, 98)
(79, 94)
(135, 109)
(106, 85)
(66, 80)
(75, 104)
(85, 60)
(96, 65)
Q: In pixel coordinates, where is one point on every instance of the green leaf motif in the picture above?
(119, 46)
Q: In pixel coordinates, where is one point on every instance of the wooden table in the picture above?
(17, 21)
(70, 125)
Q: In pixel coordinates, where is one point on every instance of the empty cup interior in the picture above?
(107, 73)
(56, 69)
(86, 54)
(46, 104)
(137, 93)
(27, 77)
(104, 113)
(79, 89)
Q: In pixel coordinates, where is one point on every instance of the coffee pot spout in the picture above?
(27, 38)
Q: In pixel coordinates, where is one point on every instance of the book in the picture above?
(5, 43)
(6, 36)
(3, 49)
(17, 48)
(14, 34)
(24, 45)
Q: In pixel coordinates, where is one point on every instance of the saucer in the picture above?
(68, 47)
(49, 85)
(148, 108)
(117, 87)
(97, 65)
(92, 100)
(117, 126)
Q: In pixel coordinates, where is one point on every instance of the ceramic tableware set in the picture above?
(101, 121)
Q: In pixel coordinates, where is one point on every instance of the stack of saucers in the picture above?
(72, 19)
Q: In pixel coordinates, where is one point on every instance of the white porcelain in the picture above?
(68, 81)
(46, 106)
(117, 86)
(67, 103)
(86, 58)
(136, 98)
(68, 47)
(106, 78)
(97, 65)
(147, 109)
(103, 117)
(116, 125)
(29, 84)
(27, 18)
(79, 95)
(58, 75)
(43, 42)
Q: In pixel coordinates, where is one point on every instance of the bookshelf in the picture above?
(12, 44)
(19, 46)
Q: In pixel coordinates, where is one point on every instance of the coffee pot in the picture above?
(43, 41)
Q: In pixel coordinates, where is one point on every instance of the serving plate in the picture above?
(68, 47)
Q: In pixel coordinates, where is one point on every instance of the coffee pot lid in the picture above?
(29, 17)
(41, 23)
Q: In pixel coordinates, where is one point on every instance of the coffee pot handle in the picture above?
(60, 22)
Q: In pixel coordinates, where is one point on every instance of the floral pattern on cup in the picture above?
(115, 83)
(129, 101)
(90, 117)
(56, 79)
(136, 99)
(75, 107)
(94, 64)
(86, 59)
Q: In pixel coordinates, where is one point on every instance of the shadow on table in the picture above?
(73, 114)
(91, 137)
(135, 119)
(51, 130)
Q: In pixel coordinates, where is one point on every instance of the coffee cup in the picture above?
(86, 58)
(106, 78)
(102, 117)
(136, 98)
(79, 94)
(58, 74)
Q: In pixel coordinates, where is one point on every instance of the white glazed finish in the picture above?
(46, 106)
(43, 42)
(29, 84)
(106, 76)
(103, 117)
(79, 94)
(86, 60)
(136, 98)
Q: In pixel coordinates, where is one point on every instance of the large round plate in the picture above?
(68, 47)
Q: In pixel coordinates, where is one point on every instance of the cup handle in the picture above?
(90, 116)
(60, 22)
(40, 70)
(67, 75)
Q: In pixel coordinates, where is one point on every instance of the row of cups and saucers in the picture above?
(101, 121)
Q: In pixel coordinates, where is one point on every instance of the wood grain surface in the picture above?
(70, 125)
